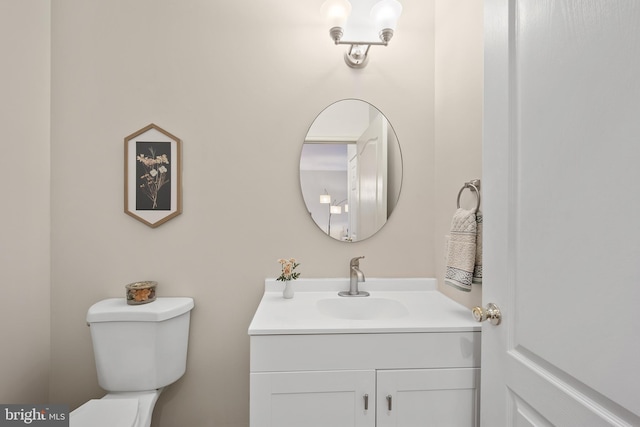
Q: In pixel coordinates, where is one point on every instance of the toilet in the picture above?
(139, 350)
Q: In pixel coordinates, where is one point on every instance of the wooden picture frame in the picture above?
(152, 175)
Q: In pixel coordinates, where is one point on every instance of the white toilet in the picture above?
(139, 349)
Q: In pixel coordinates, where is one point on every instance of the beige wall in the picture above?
(458, 121)
(240, 85)
(24, 215)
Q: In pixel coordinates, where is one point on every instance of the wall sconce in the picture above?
(384, 14)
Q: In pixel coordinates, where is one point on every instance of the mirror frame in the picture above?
(324, 143)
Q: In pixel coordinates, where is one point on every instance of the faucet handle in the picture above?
(355, 262)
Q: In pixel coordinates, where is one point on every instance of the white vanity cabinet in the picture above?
(385, 398)
(383, 380)
(418, 369)
(313, 399)
(428, 397)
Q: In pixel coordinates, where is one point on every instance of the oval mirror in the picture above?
(350, 170)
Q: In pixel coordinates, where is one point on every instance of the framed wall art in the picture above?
(152, 175)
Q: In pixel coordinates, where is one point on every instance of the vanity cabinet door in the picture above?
(429, 397)
(313, 399)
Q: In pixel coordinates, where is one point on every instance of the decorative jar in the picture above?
(141, 292)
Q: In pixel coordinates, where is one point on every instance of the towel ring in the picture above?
(472, 185)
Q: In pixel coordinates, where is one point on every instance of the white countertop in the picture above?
(427, 310)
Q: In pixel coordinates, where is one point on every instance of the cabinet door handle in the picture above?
(389, 401)
(366, 402)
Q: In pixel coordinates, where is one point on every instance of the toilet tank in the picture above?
(140, 347)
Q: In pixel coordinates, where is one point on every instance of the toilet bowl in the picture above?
(116, 410)
(138, 350)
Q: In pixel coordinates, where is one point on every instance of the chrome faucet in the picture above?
(355, 276)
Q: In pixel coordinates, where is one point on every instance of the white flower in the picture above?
(153, 172)
(162, 169)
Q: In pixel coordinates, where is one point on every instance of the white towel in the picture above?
(461, 250)
(477, 269)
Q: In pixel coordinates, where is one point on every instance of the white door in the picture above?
(372, 178)
(561, 170)
(352, 178)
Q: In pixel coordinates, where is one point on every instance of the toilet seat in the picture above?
(105, 413)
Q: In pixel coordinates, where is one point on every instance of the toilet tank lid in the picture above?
(117, 310)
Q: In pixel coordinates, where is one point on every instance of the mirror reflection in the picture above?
(350, 170)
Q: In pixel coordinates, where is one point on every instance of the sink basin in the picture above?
(361, 308)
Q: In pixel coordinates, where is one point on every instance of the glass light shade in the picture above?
(335, 210)
(385, 14)
(335, 12)
(325, 199)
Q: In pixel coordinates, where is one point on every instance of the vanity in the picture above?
(405, 355)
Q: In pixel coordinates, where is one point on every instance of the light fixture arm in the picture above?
(380, 43)
(385, 36)
(356, 56)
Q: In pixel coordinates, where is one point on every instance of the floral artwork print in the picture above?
(153, 173)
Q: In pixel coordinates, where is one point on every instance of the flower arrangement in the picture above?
(288, 267)
(155, 175)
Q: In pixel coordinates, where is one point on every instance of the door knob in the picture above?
(492, 312)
